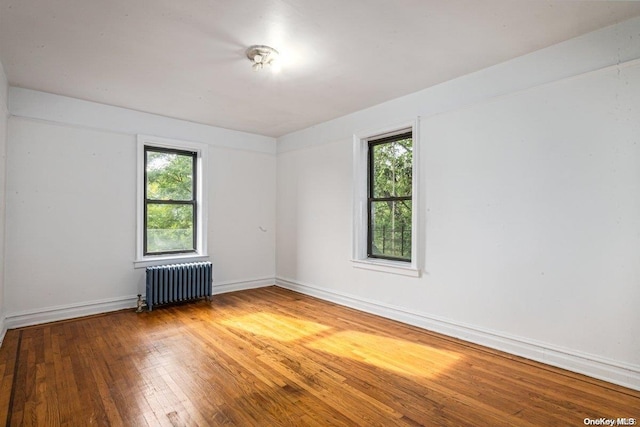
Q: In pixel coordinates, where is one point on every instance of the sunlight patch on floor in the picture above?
(397, 355)
(275, 326)
(392, 354)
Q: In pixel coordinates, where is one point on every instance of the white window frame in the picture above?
(201, 253)
(359, 256)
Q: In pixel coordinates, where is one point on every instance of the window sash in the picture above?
(371, 199)
(193, 202)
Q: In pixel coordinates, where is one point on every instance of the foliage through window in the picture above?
(170, 201)
(390, 167)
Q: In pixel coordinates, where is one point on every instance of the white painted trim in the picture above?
(613, 371)
(605, 369)
(69, 311)
(359, 205)
(202, 200)
(386, 266)
(170, 259)
(241, 285)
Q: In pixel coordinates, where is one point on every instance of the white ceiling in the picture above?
(185, 59)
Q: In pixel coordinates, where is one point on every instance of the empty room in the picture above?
(289, 213)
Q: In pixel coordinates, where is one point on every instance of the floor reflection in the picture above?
(397, 355)
(275, 326)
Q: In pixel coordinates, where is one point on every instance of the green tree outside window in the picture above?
(170, 201)
(389, 199)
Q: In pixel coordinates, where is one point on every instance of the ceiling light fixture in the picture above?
(261, 56)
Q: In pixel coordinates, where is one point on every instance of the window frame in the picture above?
(360, 256)
(144, 259)
(193, 202)
(371, 198)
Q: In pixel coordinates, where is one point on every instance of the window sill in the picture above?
(387, 266)
(168, 259)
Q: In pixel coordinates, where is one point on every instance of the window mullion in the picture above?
(171, 202)
(389, 199)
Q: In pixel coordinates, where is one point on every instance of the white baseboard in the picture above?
(594, 366)
(69, 311)
(232, 286)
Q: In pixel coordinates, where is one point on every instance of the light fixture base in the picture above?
(261, 55)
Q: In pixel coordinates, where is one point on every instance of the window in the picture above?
(389, 209)
(385, 213)
(171, 201)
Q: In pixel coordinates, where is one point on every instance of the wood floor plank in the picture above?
(8, 355)
(274, 357)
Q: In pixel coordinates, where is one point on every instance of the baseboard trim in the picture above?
(69, 311)
(241, 285)
(593, 366)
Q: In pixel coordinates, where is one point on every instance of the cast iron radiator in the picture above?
(178, 282)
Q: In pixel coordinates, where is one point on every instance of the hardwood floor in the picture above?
(272, 357)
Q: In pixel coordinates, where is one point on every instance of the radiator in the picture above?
(178, 282)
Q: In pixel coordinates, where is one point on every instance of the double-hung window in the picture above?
(389, 204)
(171, 201)
(385, 209)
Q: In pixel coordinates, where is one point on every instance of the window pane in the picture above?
(169, 176)
(391, 229)
(169, 228)
(392, 168)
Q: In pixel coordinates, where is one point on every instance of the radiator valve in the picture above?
(141, 304)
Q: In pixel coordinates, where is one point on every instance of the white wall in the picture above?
(531, 208)
(3, 164)
(71, 206)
